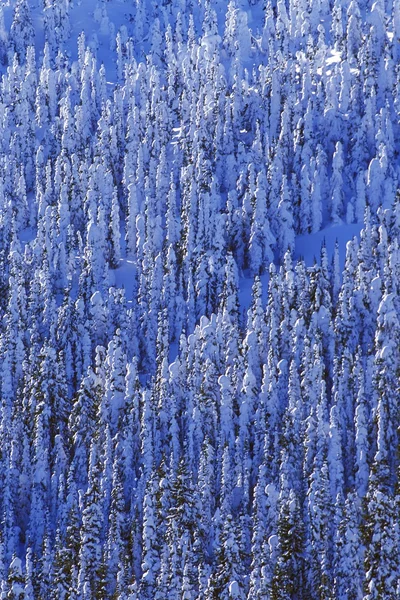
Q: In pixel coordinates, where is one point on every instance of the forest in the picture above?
(190, 409)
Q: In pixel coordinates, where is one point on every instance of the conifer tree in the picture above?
(289, 574)
(22, 33)
(15, 580)
(348, 554)
(92, 528)
(227, 581)
(150, 558)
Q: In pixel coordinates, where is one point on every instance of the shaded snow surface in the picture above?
(308, 247)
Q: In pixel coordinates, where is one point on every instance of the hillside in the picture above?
(199, 300)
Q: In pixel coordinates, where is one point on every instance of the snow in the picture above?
(174, 370)
(124, 277)
(273, 541)
(84, 16)
(308, 247)
(203, 416)
(245, 289)
(224, 382)
(16, 565)
(27, 235)
(385, 353)
(237, 497)
(334, 58)
(211, 41)
(234, 590)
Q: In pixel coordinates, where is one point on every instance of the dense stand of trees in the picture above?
(158, 442)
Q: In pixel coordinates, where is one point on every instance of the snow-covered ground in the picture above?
(308, 247)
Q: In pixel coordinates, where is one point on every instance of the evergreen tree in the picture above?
(289, 574)
(15, 580)
(89, 577)
(150, 560)
(348, 552)
(228, 579)
(22, 33)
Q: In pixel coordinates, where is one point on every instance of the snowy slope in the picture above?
(308, 247)
(100, 21)
(180, 418)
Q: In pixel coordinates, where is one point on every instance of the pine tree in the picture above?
(380, 532)
(82, 421)
(116, 537)
(348, 553)
(382, 540)
(115, 253)
(150, 559)
(15, 580)
(289, 574)
(319, 511)
(90, 552)
(22, 33)
(285, 217)
(227, 581)
(337, 185)
(261, 240)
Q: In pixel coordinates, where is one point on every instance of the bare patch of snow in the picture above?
(308, 247)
